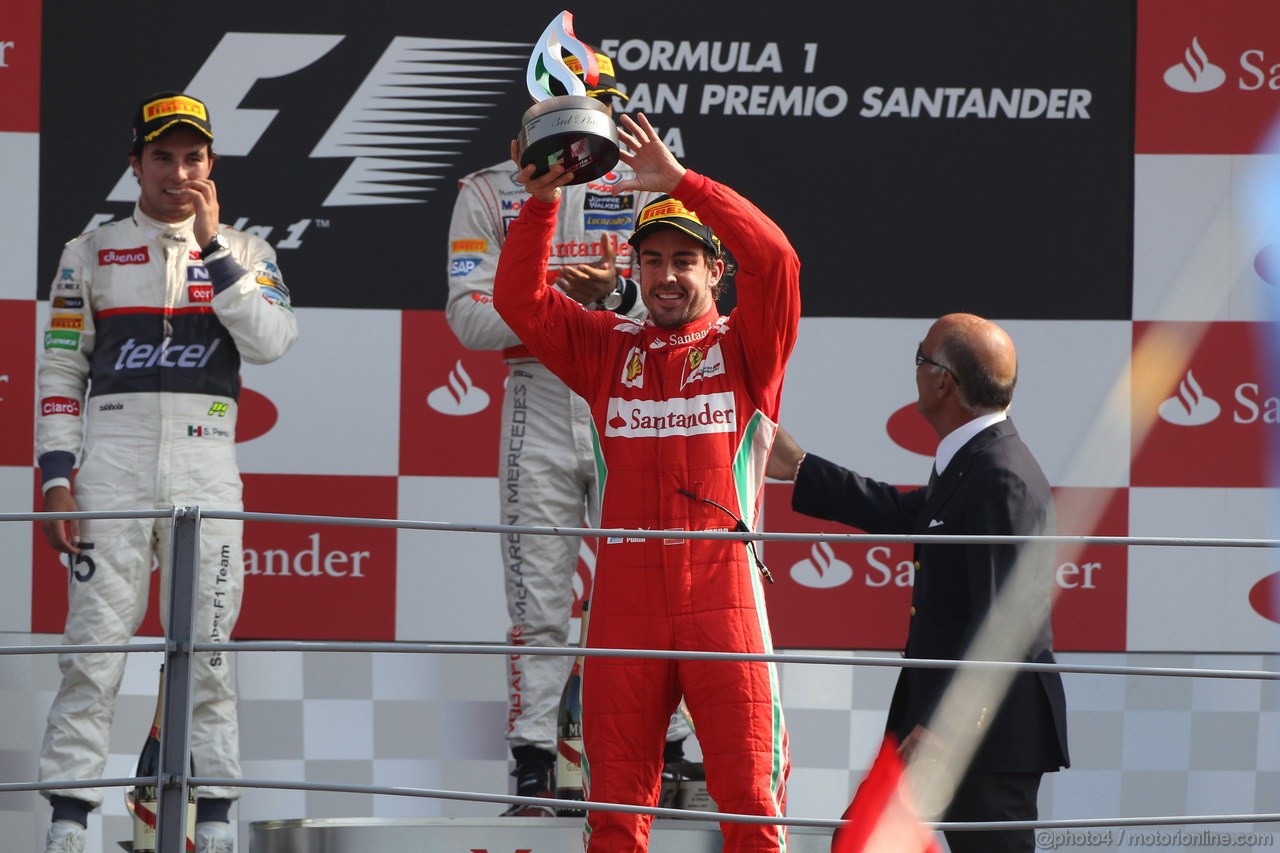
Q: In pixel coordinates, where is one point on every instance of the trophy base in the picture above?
(572, 129)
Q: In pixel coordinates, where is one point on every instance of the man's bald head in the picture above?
(982, 358)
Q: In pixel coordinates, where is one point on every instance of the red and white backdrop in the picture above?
(1085, 171)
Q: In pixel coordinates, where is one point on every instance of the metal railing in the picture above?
(174, 778)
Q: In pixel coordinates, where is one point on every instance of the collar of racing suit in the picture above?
(689, 334)
(177, 232)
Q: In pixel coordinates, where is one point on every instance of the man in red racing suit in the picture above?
(684, 409)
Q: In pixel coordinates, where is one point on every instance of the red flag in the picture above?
(882, 817)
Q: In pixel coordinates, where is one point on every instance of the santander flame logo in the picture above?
(823, 570)
(1190, 406)
(1195, 73)
(460, 396)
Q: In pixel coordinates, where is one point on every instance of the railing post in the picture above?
(175, 729)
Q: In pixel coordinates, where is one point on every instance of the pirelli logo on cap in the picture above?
(172, 106)
(470, 246)
(665, 210)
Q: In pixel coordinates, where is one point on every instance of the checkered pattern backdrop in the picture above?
(379, 412)
(1140, 745)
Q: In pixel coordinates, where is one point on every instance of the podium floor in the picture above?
(485, 835)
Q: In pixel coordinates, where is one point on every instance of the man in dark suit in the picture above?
(984, 481)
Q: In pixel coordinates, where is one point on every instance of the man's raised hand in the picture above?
(655, 166)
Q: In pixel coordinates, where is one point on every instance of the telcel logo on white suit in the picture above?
(705, 413)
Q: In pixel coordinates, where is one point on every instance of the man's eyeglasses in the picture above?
(922, 359)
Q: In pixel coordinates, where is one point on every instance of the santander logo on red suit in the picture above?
(704, 413)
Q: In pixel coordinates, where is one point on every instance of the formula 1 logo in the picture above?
(397, 129)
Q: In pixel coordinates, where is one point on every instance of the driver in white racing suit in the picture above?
(150, 318)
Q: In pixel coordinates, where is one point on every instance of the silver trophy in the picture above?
(572, 129)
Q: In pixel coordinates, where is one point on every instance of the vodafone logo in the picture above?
(1190, 406)
(823, 570)
(460, 397)
(1195, 73)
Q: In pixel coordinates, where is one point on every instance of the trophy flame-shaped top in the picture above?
(547, 61)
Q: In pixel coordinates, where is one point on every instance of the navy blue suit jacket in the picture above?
(993, 485)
